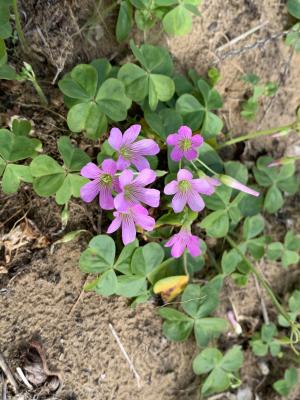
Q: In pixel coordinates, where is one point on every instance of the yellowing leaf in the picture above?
(170, 287)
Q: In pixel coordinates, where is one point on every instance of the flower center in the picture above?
(184, 186)
(185, 144)
(106, 179)
(125, 153)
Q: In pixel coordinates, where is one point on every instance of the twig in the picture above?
(4, 388)
(262, 302)
(78, 298)
(24, 379)
(5, 368)
(137, 376)
(242, 36)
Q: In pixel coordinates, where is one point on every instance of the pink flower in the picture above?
(103, 183)
(182, 240)
(233, 183)
(133, 191)
(184, 143)
(187, 189)
(131, 152)
(136, 215)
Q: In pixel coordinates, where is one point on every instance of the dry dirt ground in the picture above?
(41, 293)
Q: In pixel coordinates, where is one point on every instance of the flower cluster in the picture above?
(123, 189)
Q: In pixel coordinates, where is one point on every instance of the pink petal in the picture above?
(185, 132)
(193, 246)
(89, 191)
(178, 202)
(90, 171)
(171, 241)
(197, 140)
(173, 139)
(190, 154)
(115, 138)
(176, 154)
(122, 163)
(195, 201)
(144, 221)
(109, 166)
(125, 178)
(203, 186)
(243, 188)
(184, 175)
(145, 177)
(139, 209)
(171, 188)
(115, 225)
(131, 134)
(128, 230)
(151, 197)
(178, 248)
(121, 203)
(106, 200)
(145, 147)
(140, 163)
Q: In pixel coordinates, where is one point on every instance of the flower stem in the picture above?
(40, 92)
(256, 134)
(262, 281)
(206, 166)
(185, 264)
(18, 26)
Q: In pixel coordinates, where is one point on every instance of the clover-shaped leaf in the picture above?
(221, 369)
(284, 386)
(178, 21)
(151, 79)
(293, 37)
(266, 341)
(287, 252)
(294, 309)
(99, 256)
(94, 97)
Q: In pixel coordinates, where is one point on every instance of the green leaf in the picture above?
(15, 148)
(284, 386)
(177, 326)
(237, 170)
(253, 226)
(131, 285)
(216, 382)
(273, 200)
(7, 72)
(291, 376)
(211, 158)
(207, 360)
(293, 37)
(216, 224)
(71, 187)
(207, 329)
(87, 116)
(107, 283)
(259, 348)
(161, 88)
(292, 241)
(2, 166)
(74, 158)
(275, 251)
(156, 59)
(164, 122)
(199, 301)
(3, 54)
(191, 111)
(268, 331)
(13, 175)
(48, 175)
(294, 302)
(178, 21)
(232, 360)
(229, 261)
(146, 258)
(99, 256)
(104, 70)
(124, 22)
(289, 257)
(124, 259)
(135, 80)
(21, 127)
(112, 99)
(212, 125)
(294, 8)
(80, 83)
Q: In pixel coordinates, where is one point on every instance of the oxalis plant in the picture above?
(177, 220)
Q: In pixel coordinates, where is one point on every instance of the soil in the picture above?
(41, 291)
